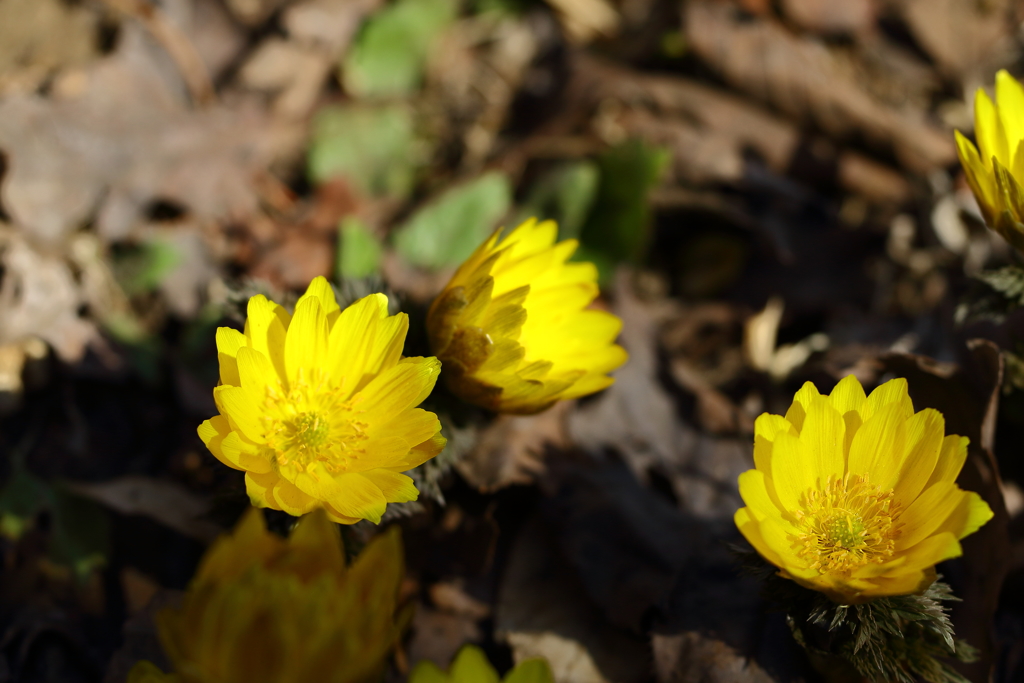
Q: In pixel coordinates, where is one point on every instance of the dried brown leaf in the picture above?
(691, 657)
(164, 501)
(968, 398)
(830, 17)
(39, 298)
(511, 449)
(965, 37)
(38, 37)
(801, 77)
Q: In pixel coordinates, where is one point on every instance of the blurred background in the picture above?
(769, 188)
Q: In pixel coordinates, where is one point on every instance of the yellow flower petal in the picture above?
(979, 177)
(790, 470)
(807, 395)
(321, 289)
(924, 442)
(397, 488)
(359, 497)
(754, 491)
(291, 498)
(243, 411)
(931, 551)
(265, 327)
(848, 395)
(968, 517)
(365, 341)
(893, 391)
(988, 128)
(927, 513)
(822, 439)
(878, 447)
(229, 341)
(401, 387)
(951, 459)
(305, 346)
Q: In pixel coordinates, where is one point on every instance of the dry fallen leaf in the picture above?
(39, 37)
(40, 298)
(965, 37)
(510, 450)
(570, 662)
(119, 160)
(166, 502)
(802, 78)
(692, 657)
(830, 17)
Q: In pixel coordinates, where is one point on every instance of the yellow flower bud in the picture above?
(513, 329)
(263, 609)
(997, 172)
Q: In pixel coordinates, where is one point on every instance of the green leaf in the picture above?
(80, 533)
(79, 529)
(359, 250)
(995, 294)
(618, 224)
(531, 671)
(142, 268)
(447, 230)
(374, 148)
(471, 666)
(21, 499)
(564, 194)
(389, 55)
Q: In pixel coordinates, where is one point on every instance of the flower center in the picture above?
(311, 423)
(308, 431)
(845, 525)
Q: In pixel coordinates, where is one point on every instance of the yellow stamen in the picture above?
(311, 423)
(846, 525)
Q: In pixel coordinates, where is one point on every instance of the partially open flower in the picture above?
(471, 666)
(856, 496)
(996, 174)
(262, 609)
(513, 330)
(319, 408)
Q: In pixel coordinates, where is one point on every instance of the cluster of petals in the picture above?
(263, 609)
(855, 496)
(319, 408)
(995, 168)
(513, 329)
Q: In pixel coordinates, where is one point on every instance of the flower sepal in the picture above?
(897, 639)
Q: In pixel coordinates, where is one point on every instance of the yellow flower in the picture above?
(319, 408)
(856, 496)
(471, 666)
(512, 328)
(996, 174)
(262, 609)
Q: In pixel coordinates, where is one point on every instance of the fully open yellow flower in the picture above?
(856, 496)
(997, 173)
(319, 408)
(513, 330)
(262, 609)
